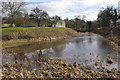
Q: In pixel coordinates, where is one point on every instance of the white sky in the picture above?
(71, 8)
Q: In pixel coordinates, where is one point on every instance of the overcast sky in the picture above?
(71, 8)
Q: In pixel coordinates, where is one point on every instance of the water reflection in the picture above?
(74, 49)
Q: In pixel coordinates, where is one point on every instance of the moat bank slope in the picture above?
(113, 36)
(17, 35)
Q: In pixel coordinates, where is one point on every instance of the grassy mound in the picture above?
(46, 33)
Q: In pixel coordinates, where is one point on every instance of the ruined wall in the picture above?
(59, 23)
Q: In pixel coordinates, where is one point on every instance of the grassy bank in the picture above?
(53, 28)
(21, 35)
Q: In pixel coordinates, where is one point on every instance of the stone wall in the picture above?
(59, 23)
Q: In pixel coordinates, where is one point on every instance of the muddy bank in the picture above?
(26, 36)
(40, 33)
(113, 36)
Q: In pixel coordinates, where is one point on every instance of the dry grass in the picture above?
(113, 36)
(37, 32)
(20, 36)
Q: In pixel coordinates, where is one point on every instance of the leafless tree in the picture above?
(11, 7)
(38, 15)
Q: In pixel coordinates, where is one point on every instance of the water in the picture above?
(88, 48)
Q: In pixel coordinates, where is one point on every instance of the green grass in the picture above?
(46, 28)
(14, 30)
(53, 28)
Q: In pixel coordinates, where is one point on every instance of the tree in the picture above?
(66, 21)
(12, 7)
(56, 18)
(19, 19)
(104, 18)
(94, 25)
(107, 15)
(89, 23)
(38, 15)
(69, 23)
(28, 21)
(79, 23)
(114, 16)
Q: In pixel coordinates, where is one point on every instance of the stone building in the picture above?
(59, 23)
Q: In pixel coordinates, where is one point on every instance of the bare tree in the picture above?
(114, 16)
(38, 15)
(12, 7)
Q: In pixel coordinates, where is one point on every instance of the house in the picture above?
(59, 23)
